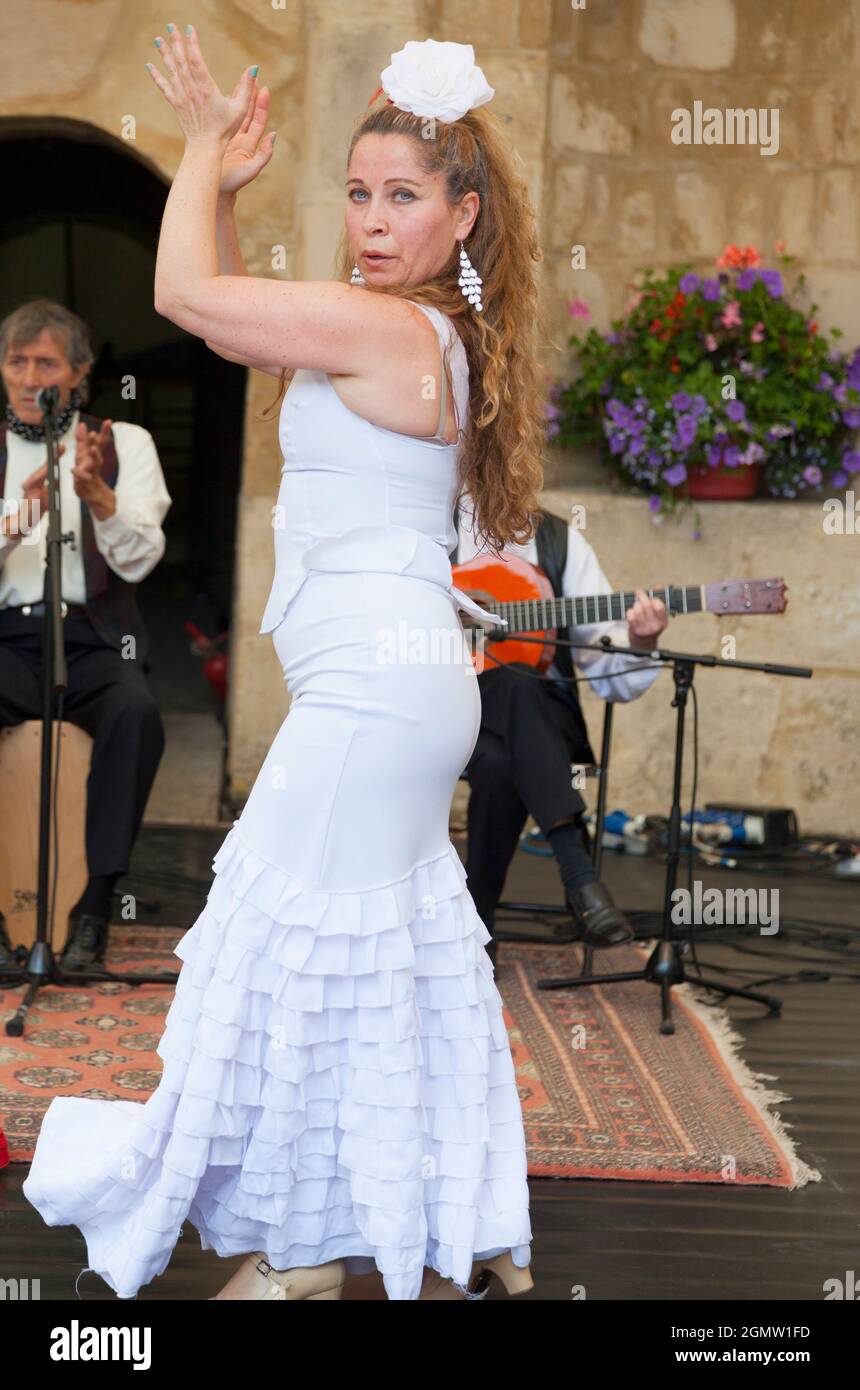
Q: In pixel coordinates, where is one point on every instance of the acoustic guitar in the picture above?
(521, 592)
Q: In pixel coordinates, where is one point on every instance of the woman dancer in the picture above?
(338, 1093)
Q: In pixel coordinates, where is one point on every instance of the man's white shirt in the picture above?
(610, 676)
(131, 540)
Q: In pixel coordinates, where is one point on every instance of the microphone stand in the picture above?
(664, 966)
(41, 967)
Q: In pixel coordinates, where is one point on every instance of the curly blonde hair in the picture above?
(501, 465)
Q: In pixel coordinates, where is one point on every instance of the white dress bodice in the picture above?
(355, 496)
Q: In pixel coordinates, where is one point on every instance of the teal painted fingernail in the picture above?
(157, 42)
(170, 28)
(188, 28)
(255, 69)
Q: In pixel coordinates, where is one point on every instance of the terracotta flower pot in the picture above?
(721, 484)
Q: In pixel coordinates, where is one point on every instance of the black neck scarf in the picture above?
(36, 433)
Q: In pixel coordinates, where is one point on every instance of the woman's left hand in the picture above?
(204, 113)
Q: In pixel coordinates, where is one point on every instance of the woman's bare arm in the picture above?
(226, 237)
(230, 262)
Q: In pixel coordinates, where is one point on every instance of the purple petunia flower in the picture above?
(839, 479)
(753, 453)
(732, 456)
(736, 410)
(689, 283)
(687, 426)
(851, 417)
(621, 414)
(653, 503)
(824, 382)
(680, 401)
(698, 405)
(851, 461)
(812, 474)
(711, 289)
(747, 278)
(714, 455)
(772, 281)
(676, 474)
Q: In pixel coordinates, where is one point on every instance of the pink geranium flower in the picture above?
(710, 343)
(578, 309)
(731, 315)
(757, 333)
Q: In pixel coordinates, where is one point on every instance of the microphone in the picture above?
(47, 399)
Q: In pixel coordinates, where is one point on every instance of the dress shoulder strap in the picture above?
(445, 331)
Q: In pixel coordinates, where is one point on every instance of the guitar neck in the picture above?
(536, 615)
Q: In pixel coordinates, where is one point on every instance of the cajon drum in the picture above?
(20, 771)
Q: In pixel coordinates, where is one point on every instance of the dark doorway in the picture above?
(83, 229)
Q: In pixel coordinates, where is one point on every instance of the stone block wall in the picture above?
(588, 89)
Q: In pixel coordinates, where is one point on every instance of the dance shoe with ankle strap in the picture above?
(315, 1281)
(435, 1286)
(516, 1278)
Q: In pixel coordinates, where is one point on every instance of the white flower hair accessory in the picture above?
(435, 79)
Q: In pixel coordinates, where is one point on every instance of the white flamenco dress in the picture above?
(337, 1079)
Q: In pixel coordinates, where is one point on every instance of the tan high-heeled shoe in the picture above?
(435, 1286)
(259, 1280)
(516, 1278)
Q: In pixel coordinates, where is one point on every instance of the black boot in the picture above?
(8, 958)
(86, 944)
(599, 921)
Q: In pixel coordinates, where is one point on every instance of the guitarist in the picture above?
(532, 730)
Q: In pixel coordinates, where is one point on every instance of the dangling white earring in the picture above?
(470, 281)
(356, 278)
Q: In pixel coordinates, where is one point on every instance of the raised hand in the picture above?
(35, 489)
(87, 468)
(203, 111)
(248, 152)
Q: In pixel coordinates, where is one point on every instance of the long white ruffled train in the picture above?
(337, 1082)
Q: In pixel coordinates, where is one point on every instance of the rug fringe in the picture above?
(729, 1041)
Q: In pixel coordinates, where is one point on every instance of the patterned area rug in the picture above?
(604, 1094)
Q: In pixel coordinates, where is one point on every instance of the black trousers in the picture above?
(110, 699)
(531, 731)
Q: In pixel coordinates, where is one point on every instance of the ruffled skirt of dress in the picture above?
(338, 1080)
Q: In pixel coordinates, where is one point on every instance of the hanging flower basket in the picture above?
(713, 387)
